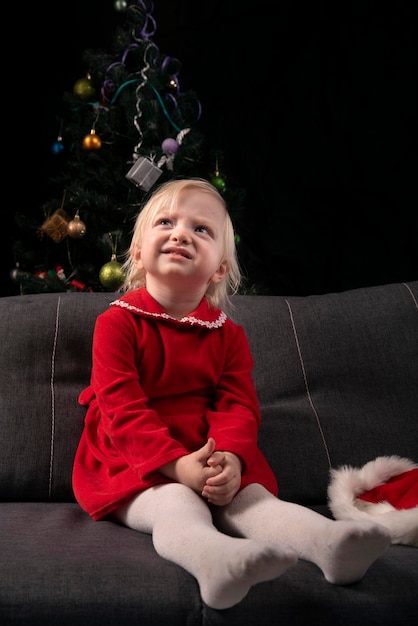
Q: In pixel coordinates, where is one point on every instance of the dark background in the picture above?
(313, 104)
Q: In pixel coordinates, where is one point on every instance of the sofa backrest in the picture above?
(336, 374)
(337, 378)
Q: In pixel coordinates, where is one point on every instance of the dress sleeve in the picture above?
(235, 418)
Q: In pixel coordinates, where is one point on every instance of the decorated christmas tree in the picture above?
(126, 126)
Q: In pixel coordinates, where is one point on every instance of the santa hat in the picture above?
(384, 490)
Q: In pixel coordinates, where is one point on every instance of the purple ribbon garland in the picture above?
(146, 11)
(109, 92)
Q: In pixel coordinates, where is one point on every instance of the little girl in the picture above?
(169, 445)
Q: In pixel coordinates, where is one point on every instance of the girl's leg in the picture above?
(183, 532)
(343, 550)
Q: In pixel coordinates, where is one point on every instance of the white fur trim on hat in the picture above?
(347, 483)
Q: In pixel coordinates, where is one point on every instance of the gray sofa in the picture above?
(337, 377)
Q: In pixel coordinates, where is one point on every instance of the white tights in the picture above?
(264, 537)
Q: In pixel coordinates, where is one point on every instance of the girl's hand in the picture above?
(221, 489)
(192, 469)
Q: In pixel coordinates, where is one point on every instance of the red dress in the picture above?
(159, 388)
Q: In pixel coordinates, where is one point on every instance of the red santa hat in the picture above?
(384, 490)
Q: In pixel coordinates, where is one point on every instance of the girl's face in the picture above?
(185, 243)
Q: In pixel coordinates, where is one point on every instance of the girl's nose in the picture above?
(180, 234)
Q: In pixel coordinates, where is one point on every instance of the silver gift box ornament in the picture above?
(144, 173)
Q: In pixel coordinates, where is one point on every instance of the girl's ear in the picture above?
(220, 273)
(136, 256)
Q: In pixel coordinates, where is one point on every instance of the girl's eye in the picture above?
(164, 221)
(202, 229)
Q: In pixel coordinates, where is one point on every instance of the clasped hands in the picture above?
(215, 475)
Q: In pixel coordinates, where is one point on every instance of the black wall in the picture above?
(314, 105)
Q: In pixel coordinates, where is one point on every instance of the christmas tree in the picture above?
(126, 127)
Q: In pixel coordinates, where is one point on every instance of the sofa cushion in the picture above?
(60, 568)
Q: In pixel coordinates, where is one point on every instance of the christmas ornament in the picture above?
(60, 273)
(170, 146)
(144, 173)
(56, 226)
(41, 274)
(111, 274)
(77, 285)
(217, 180)
(58, 146)
(84, 89)
(18, 276)
(76, 228)
(120, 5)
(92, 142)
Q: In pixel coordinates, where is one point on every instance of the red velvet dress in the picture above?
(159, 388)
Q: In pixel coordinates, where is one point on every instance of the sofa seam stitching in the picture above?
(411, 293)
(52, 386)
(305, 378)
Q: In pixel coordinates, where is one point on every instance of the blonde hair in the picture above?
(166, 196)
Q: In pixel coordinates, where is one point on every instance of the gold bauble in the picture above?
(111, 275)
(76, 228)
(84, 89)
(92, 141)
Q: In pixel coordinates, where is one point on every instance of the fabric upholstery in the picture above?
(337, 378)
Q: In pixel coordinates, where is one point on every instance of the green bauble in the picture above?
(218, 182)
(111, 275)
